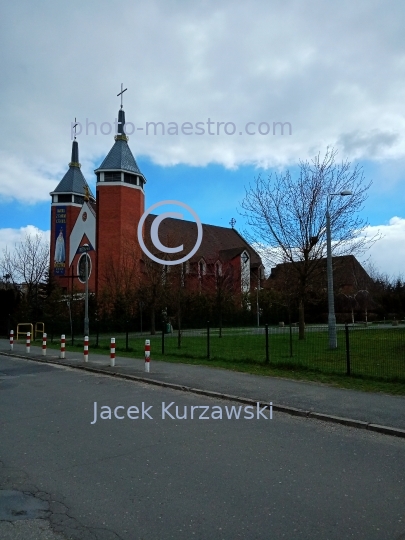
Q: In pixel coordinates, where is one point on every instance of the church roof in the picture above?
(73, 182)
(218, 243)
(120, 158)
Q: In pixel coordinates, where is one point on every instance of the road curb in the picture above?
(341, 420)
(293, 411)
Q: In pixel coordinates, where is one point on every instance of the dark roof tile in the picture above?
(73, 182)
(217, 243)
(120, 158)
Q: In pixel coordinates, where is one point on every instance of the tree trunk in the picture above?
(220, 320)
(301, 314)
(179, 330)
(152, 321)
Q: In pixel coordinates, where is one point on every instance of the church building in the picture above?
(103, 229)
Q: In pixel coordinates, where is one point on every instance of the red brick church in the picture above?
(103, 228)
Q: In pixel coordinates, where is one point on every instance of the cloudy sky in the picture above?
(334, 70)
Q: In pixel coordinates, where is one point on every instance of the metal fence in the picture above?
(372, 351)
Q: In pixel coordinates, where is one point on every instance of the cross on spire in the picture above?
(122, 91)
(74, 127)
(232, 222)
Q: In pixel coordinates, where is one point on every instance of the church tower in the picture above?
(120, 205)
(68, 200)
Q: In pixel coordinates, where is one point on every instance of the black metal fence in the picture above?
(371, 351)
(375, 351)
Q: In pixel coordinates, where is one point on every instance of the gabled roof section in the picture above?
(83, 227)
(218, 243)
(120, 158)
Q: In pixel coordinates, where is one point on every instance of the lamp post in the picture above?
(86, 299)
(257, 301)
(331, 300)
(70, 304)
(84, 251)
(70, 317)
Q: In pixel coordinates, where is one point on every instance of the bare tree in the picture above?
(26, 266)
(152, 289)
(287, 217)
(120, 280)
(358, 293)
(222, 288)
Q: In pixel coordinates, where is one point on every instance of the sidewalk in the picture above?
(381, 409)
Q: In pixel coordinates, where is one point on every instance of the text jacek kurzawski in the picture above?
(171, 411)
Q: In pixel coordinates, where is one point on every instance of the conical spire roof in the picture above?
(74, 181)
(120, 156)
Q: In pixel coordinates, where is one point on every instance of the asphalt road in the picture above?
(167, 478)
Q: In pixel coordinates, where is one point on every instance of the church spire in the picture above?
(121, 122)
(121, 118)
(75, 155)
(74, 162)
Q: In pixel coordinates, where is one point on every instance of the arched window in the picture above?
(81, 267)
(202, 268)
(245, 271)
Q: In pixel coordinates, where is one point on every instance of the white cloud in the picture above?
(23, 181)
(333, 70)
(10, 237)
(388, 254)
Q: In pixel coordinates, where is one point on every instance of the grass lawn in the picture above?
(377, 356)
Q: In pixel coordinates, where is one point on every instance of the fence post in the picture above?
(347, 349)
(44, 336)
(163, 337)
(147, 355)
(28, 342)
(62, 346)
(86, 349)
(208, 339)
(112, 352)
(11, 340)
(267, 343)
(291, 342)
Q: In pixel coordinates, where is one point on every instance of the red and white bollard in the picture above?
(28, 342)
(112, 352)
(11, 340)
(147, 355)
(62, 345)
(86, 348)
(44, 345)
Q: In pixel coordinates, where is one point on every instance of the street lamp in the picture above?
(331, 300)
(257, 301)
(86, 299)
(84, 250)
(70, 317)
